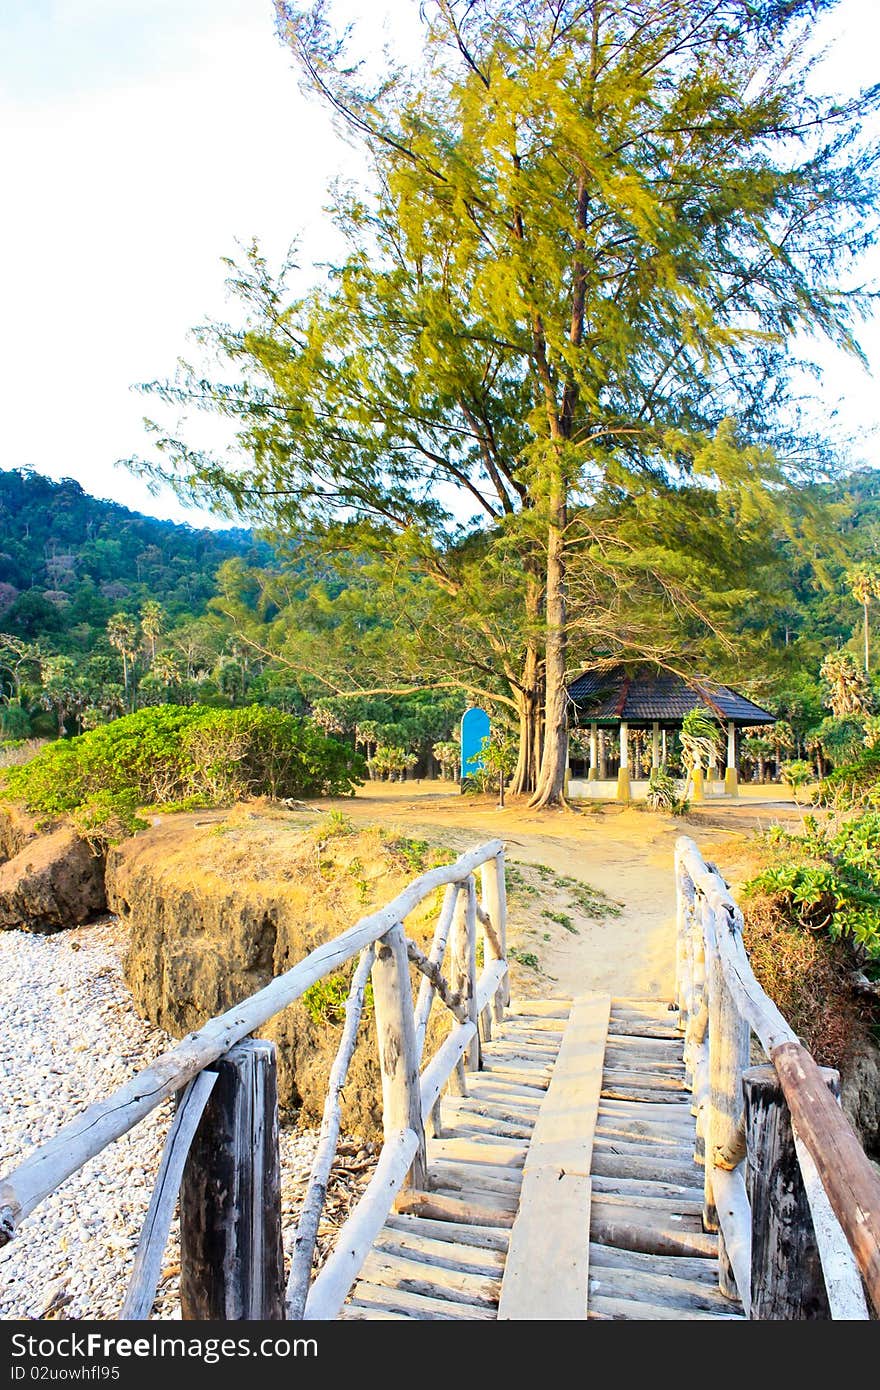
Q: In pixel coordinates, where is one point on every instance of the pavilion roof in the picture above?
(638, 694)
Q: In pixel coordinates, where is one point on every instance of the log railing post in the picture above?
(492, 885)
(787, 1280)
(697, 1042)
(467, 943)
(231, 1263)
(728, 1059)
(684, 906)
(396, 1038)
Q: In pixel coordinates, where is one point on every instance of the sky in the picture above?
(142, 141)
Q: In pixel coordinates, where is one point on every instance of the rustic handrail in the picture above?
(408, 1097)
(710, 922)
(96, 1127)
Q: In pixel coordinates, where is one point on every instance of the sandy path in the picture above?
(625, 852)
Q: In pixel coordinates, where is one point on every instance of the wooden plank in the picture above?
(656, 1095)
(489, 1200)
(94, 1128)
(475, 1123)
(432, 1280)
(672, 1291)
(331, 1287)
(702, 1268)
(840, 1271)
(147, 1268)
(370, 1312)
(851, 1183)
(627, 1027)
(648, 1079)
(630, 1229)
(495, 1238)
(447, 1254)
(416, 1305)
(650, 1187)
(547, 1265)
(316, 1193)
(649, 1166)
(496, 1153)
(640, 1311)
(539, 1008)
(440, 1206)
(231, 1258)
(475, 1177)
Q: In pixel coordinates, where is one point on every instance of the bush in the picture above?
(829, 880)
(194, 755)
(14, 721)
(663, 794)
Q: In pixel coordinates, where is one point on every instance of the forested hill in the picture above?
(68, 560)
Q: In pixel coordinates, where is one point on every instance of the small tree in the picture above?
(699, 743)
(499, 753)
(122, 633)
(864, 585)
(796, 774)
(448, 755)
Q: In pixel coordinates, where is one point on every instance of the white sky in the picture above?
(140, 140)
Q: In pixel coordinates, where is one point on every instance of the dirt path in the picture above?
(623, 852)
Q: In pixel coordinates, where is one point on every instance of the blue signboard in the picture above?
(474, 728)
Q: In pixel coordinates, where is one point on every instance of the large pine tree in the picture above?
(590, 234)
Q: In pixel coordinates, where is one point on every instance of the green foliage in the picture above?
(562, 918)
(663, 794)
(796, 774)
(828, 879)
(168, 753)
(106, 818)
(524, 957)
(699, 737)
(14, 721)
(325, 1000)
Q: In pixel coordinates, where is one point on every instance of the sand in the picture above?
(626, 852)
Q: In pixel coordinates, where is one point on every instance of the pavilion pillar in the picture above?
(603, 757)
(731, 776)
(655, 745)
(623, 775)
(593, 773)
(665, 754)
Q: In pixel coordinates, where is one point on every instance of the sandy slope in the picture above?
(626, 852)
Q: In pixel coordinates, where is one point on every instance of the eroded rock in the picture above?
(56, 881)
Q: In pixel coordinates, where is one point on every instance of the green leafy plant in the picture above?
(828, 879)
(524, 957)
(325, 1000)
(796, 774)
(663, 794)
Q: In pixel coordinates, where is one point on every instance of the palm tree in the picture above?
(864, 585)
(699, 741)
(152, 623)
(122, 634)
(849, 690)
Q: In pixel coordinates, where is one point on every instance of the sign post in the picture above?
(474, 728)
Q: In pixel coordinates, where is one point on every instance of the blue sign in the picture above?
(474, 728)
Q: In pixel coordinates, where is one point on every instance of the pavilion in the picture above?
(613, 702)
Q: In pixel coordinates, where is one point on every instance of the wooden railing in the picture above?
(221, 1153)
(794, 1199)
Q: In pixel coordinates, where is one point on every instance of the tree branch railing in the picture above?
(787, 1185)
(221, 1152)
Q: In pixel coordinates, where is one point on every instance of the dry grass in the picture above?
(806, 975)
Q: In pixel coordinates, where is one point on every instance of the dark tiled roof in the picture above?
(645, 694)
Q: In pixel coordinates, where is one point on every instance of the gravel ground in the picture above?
(69, 1036)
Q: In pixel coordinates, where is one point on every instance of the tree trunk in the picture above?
(865, 606)
(551, 779)
(528, 698)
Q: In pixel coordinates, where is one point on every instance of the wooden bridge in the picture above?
(554, 1159)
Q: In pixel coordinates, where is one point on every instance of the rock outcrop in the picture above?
(55, 881)
(17, 829)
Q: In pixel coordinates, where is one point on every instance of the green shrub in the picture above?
(829, 879)
(663, 794)
(14, 721)
(191, 755)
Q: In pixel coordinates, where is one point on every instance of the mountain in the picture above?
(68, 561)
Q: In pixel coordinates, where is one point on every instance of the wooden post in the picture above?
(231, 1263)
(684, 904)
(728, 1059)
(396, 1039)
(493, 893)
(593, 773)
(465, 968)
(787, 1280)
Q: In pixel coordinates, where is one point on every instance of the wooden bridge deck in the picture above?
(581, 1110)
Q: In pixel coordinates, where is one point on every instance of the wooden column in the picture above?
(684, 901)
(396, 1040)
(494, 896)
(731, 776)
(728, 1059)
(787, 1280)
(231, 1264)
(623, 793)
(593, 773)
(655, 745)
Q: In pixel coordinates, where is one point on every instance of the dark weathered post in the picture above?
(396, 1039)
(787, 1281)
(231, 1262)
